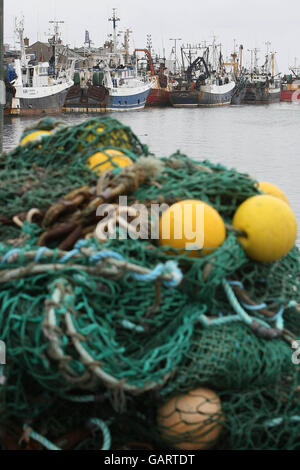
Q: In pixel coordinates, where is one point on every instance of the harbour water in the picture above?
(260, 140)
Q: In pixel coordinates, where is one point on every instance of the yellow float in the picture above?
(34, 136)
(115, 137)
(269, 225)
(192, 421)
(192, 226)
(272, 190)
(108, 160)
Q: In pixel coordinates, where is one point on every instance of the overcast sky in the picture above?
(251, 23)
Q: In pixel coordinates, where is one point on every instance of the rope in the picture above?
(105, 431)
(238, 308)
(41, 439)
(169, 269)
(101, 425)
(278, 421)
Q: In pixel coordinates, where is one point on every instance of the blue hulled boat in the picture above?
(126, 91)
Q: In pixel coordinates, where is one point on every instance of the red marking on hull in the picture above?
(290, 95)
(158, 97)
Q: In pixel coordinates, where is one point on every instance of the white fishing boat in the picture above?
(38, 87)
(206, 82)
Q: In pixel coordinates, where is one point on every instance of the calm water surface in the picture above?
(260, 140)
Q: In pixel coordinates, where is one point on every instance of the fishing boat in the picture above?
(290, 88)
(161, 85)
(260, 85)
(206, 83)
(38, 87)
(126, 90)
(113, 84)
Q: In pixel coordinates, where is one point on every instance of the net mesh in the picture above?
(100, 329)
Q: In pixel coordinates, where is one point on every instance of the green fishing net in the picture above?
(41, 172)
(104, 331)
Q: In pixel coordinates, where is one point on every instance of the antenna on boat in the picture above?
(175, 49)
(54, 40)
(114, 20)
(19, 30)
(273, 63)
(241, 57)
(56, 24)
(127, 33)
(268, 44)
(256, 50)
(149, 43)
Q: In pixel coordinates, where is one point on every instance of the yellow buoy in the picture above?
(192, 421)
(34, 135)
(115, 137)
(91, 136)
(269, 225)
(272, 190)
(192, 226)
(111, 159)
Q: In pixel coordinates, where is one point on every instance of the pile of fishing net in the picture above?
(123, 343)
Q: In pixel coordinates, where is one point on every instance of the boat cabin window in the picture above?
(43, 71)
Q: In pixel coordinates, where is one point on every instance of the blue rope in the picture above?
(157, 272)
(105, 430)
(170, 268)
(236, 283)
(15, 251)
(94, 421)
(238, 308)
(278, 421)
(41, 439)
(68, 256)
(254, 307)
(207, 322)
(80, 244)
(80, 399)
(40, 253)
(278, 315)
(97, 257)
(131, 326)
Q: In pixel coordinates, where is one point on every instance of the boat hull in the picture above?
(158, 97)
(29, 106)
(207, 96)
(257, 95)
(99, 99)
(128, 102)
(290, 96)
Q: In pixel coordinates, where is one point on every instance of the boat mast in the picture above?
(55, 39)
(256, 58)
(114, 20)
(241, 58)
(127, 37)
(268, 55)
(19, 30)
(273, 64)
(251, 65)
(175, 51)
(214, 53)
